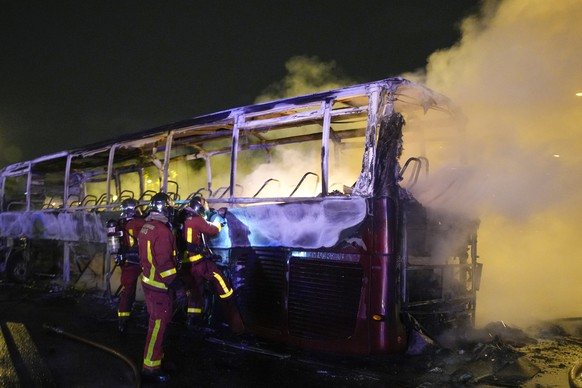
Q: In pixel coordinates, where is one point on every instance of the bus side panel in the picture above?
(74, 226)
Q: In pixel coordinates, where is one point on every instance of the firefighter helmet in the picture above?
(161, 203)
(129, 208)
(198, 206)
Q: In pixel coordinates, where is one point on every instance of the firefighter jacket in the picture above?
(194, 225)
(157, 250)
(131, 228)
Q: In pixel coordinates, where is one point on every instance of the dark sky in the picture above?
(77, 72)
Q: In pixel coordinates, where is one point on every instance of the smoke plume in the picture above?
(515, 74)
(305, 75)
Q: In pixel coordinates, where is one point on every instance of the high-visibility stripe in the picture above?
(152, 364)
(225, 289)
(147, 361)
(150, 279)
(123, 313)
(153, 283)
(131, 240)
(194, 310)
(167, 273)
(192, 259)
(151, 261)
(189, 235)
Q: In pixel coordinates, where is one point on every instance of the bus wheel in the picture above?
(17, 269)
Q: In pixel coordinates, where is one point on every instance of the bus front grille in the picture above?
(260, 284)
(324, 298)
(311, 297)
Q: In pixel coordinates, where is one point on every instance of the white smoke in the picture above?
(515, 74)
(305, 75)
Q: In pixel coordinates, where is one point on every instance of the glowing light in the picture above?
(149, 181)
(556, 155)
(115, 197)
(579, 94)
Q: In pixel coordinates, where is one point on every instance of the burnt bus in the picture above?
(334, 238)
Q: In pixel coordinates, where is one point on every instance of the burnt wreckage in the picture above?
(325, 242)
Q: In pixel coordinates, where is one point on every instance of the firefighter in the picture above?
(198, 266)
(130, 224)
(157, 249)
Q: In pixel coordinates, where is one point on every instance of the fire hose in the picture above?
(136, 371)
(573, 374)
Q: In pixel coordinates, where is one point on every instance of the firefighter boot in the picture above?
(156, 375)
(193, 321)
(122, 325)
(232, 313)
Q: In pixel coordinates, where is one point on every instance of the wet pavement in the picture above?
(55, 337)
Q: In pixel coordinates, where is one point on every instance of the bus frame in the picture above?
(351, 269)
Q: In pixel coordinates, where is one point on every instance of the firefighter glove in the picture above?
(177, 284)
(217, 222)
(119, 259)
(181, 297)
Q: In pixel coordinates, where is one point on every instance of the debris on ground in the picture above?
(547, 354)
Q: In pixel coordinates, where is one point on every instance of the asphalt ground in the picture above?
(54, 337)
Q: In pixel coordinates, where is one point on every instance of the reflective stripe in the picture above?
(225, 289)
(151, 261)
(168, 273)
(189, 235)
(150, 280)
(148, 358)
(153, 283)
(152, 364)
(123, 313)
(194, 310)
(192, 259)
(131, 240)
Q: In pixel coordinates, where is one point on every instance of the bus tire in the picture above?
(17, 268)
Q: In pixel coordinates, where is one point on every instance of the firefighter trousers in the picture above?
(129, 277)
(159, 305)
(207, 270)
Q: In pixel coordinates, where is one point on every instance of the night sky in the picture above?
(76, 72)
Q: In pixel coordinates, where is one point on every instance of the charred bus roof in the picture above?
(197, 130)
